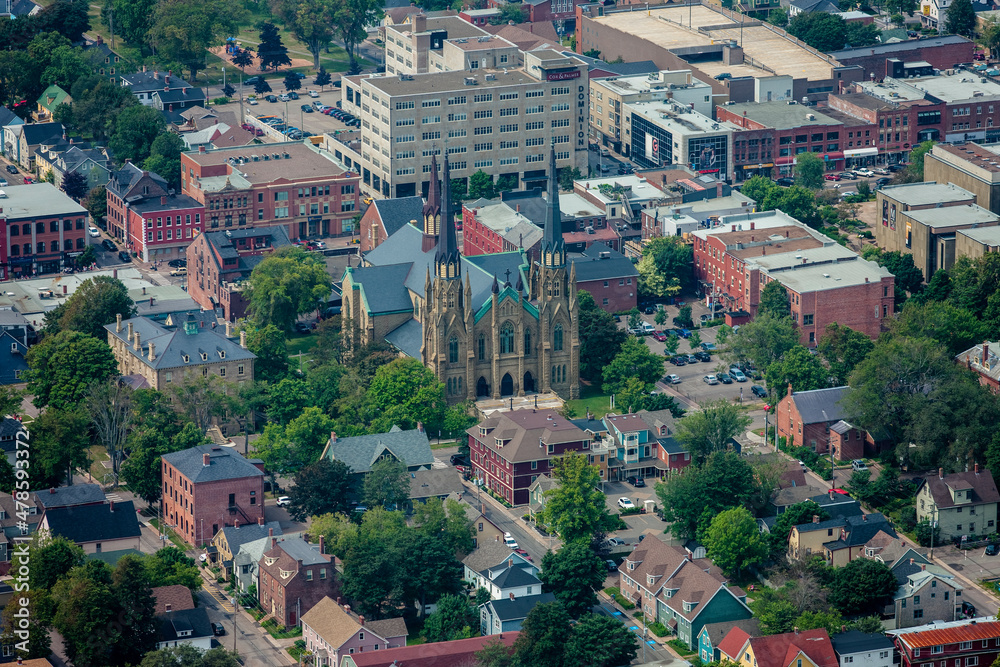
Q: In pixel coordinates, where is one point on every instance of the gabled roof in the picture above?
(11, 361)
(846, 643)
(523, 431)
(335, 625)
(38, 133)
(718, 631)
(732, 644)
(820, 405)
(224, 463)
(236, 537)
(491, 555)
(177, 597)
(456, 653)
(937, 634)
(52, 97)
(7, 116)
(858, 530)
(360, 452)
(781, 650)
(67, 496)
(388, 628)
(513, 577)
(984, 488)
(382, 289)
(517, 609)
(147, 82)
(94, 523)
(394, 213)
(173, 344)
(193, 620)
(434, 483)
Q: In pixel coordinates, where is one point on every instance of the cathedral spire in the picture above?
(432, 209)
(553, 250)
(447, 260)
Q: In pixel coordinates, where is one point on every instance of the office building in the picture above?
(971, 166)
(41, 230)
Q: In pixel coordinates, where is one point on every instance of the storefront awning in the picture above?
(862, 152)
(784, 160)
(835, 155)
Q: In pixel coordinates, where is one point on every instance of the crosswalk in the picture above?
(220, 597)
(114, 497)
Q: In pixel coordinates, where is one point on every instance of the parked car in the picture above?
(3, 182)
(124, 256)
(992, 549)
(28, 180)
(737, 375)
(11, 169)
(109, 245)
(284, 97)
(177, 263)
(614, 541)
(859, 465)
(459, 460)
(307, 108)
(636, 481)
(612, 566)
(313, 93)
(785, 182)
(509, 540)
(524, 554)
(93, 231)
(710, 379)
(692, 359)
(684, 333)
(252, 101)
(864, 171)
(678, 361)
(218, 630)
(252, 81)
(702, 356)
(882, 182)
(626, 503)
(722, 76)
(270, 98)
(724, 378)
(649, 310)
(317, 245)
(283, 501)
(758, 391)
(708, 347)
(673, 379)
(293, 95)
(182, 271)
(832, 177)
(303, 327)
(660, 336)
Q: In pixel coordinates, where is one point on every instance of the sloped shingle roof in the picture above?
(360, 452)
(224, 463)
(94, 523)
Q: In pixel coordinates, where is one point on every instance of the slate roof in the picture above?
(67, 496)
(915, 581)
(408, 338)
(517, 609)
(148, 82)
(812, 527)
(394, 213)
(815, 5)
(249, 532)
(595, 426)
(592, 267)
(170, 624)
(39, 133)
(527, 428)
(224, 463)
(434, 483)
(177, 596)
(360, 452)
(388, 628)
(172, 344)
(860, 529)
(94, 523)
(619, 69)
(984, 488)
(489, 555)
(812, 404)
(382, 287)
(513, 577)
(458, 653)
(10, 427)
(176, 95)
(7, 116)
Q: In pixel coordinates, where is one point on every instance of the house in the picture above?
(13, 8)
(976, 641)
(678, 591)
(48, 102)
(9, 138)
(294, 577)
(984, 363)
(15, 522)
(208, 487)
(75, 495)
(860, 649)
(859, 537)
(815, 419)
(189, 627)
(835, 503)
(65, 157)
(512, 578)
(510, 450)
(608, 275)
(28, 139)
(457, 653)
(536, 494)
(643, 446)
(332, 631)
(171, 102)
(434, 483)
(507, 614)
(228, 541)
(13, 362)
(385, 217)
(361, 452)
(961, 503)
(490, 559)
(246, 565)
(927, 591)
(797, 7)
(712, 634)
(106, 61)
(172, 598)
(97, 528)
(485, 530)
(11, 429)
(143, 84)
(809, 648)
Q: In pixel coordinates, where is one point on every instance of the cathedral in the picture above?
(489, 326)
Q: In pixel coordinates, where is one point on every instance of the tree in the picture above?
(406, 392)
(85, 611)
(136, 129)
(774, 611)
(307, 434)
(574, 574)
(774, 300)
(133, 19)
(778, 16)
(322, 487)
(269, 344)
(989, 36)
(11, 400)
(69, 18)
(795, 515)
(453, 619)
(109, 405)
(136, 608)
(95, 303)
(183, 30)
(575, 508)
(926, 535)
(75, 185)
(600, 337)
(271, 52)
(672, 260)
(243, 58)
(311, 21)
(566, 177)
(200, 398)
(509, 13)
(261, 86)
(286, 284)
(916, 166)
(165, 158)
(186, 655)
(711, 429)
(799, 368)
(862, 587)
(762, 341)
(435, 570)
(820, 30)
(961, 18)
(493, 654)
(734, 542)
(684, 316)
(292, 81)
(809, 168)
(600, 641)
(634, 360)
(387, 484)
(350, 19)
(957, 329)
(973, 282)
(32, 633)
(843, 349)
(62, 367)
(96, 203)
(448, 521)
(544, 634)
(858, 35)
(481, 186)
(322, 79)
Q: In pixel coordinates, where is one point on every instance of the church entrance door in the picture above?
(529, 382)
(507, 385)
(482, 389)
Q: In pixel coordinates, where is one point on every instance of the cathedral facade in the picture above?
(489, 326)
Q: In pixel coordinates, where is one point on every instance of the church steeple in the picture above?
(432, 209)
(447, 261)
(553, 249)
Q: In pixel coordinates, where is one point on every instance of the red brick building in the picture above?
(825, 282)
(208, 487)
(145, 215)
(296, 185)
(970, 642)
(816, 419)
(609, 277)
(294, 576)
(509, 450)
(41, 230)
(983, 361)
(385, 217)
(218, 262)
(541, 11)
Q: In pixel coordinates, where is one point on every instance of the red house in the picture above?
(969, 643)
(509, 450)
(41, 230)
(207, 487)
(295, 576)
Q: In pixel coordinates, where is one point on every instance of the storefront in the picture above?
(861, 157)
(745, 171)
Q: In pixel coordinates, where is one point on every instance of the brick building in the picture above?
(609, 277)
(41, 230)
(983, 361)
(938, 52)
(219, 262)
(208, 487)
(825, 282)
(296, 185)
(541, 11)
(509, 450)
(815, 419)
(384, 218)
(970, 641)
(294, 577)
(148, 217)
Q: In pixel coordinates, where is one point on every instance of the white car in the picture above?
(626, 503)
(509, 540)
(284, 97)
(673, 379)
(711, 379)
(859, 465)
(867, 173)
(313, 93)
(283, 500)
(615, 542)
(252, 101)
(94, 232)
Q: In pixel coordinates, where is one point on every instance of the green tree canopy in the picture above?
(820, 30)
(544, 635)
(287, 283)
(574, 574)
(408, 392)
(957, 329)
(62, 367)
(843, 348)
(774, 300)
(322, 487)
(635, 360)
(136, 128)
(311, 21)
(809, 169)
(269, 344)
(795, 515)
(762, 341)
(600, 337)
(350, 19)
(481, 186)
(575, 508)
(862, 587)
(711, 429)
(960, 18)
(799, 368)
(454, 619)
(95, 303)
(184, 30)
(734, 542)
(600, 641)
(387, 484)
(165, 158)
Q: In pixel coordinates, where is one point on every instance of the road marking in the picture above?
(220, 598)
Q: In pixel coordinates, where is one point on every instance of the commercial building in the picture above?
(207, 487)
(145, 214)
(500, 121)
(960, 503)
(922, 219)
(975, 641)
(42, 229)
(712, 42)
(901, 124)
(295, 185)
(825, 282)
(609, 95)
(662, 133)
(219, 262)
(972, 166)
(937, 52)
(410, 46)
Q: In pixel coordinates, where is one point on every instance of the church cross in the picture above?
(507, 273)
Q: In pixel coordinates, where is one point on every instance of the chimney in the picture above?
(138, 342)
(830, 493)
(163, 200)
(864, 517)
(361, 620)
(796, 630)
(786, 233)
(512, 597)
(911, 561)
(975, 467)
(112, 506)
(118, 323)
(243, 339)
(333, 436)
(270, 532)
(815, 518)
(322, 546)
(206, 459)
(152, 351)
(229, 329)
(167, 607)
(65, 290)
(260, 521)
(420, 427)
(347, 608)
(201, 149)
(114, 273)
(274, 541)
(52, 490)
(752, 226)
(510, 562)
(236, 524)
(144, 291)
(986, 353)
(923, 567)
(940, 473)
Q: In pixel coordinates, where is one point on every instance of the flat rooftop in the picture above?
(982, 157)
(641, 188)
(662, 80)
(803, 278)
(896, 47)
(957, 87)
(485, 42)
(781, 115)
(453, 25)
(986, 235)
(295, 160)
(37, 199)
(954, 216)
(740, 222)
(669, 28)
(677, 117)
(570, 203)
(450, 82)
(925, 194)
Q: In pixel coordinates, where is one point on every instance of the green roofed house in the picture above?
(48, 101)
(361, 452)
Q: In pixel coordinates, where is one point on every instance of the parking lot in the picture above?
(291, 112)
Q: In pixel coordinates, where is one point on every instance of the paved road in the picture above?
(255, 649)
(650, 653)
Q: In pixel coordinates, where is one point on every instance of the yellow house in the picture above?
(807, 540)
(227, 542)
(811, 648)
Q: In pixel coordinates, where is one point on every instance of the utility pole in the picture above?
(111, 23)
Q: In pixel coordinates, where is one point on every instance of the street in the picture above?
(245, 638)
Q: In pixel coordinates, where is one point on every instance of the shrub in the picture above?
(616, 595)
(220, 100)
(629, 511)
(659, 629)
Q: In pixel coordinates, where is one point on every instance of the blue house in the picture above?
(12, 359)
(497, 616)
(635, 448)
(713, 633)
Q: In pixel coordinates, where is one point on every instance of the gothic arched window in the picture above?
(482, 347)
(527, 340)
(557, 338)
(453, 350)
(506, 338)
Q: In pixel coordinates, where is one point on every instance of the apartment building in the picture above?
(498, 121)
(961, 503)
(296, 185)
(41, 230)
(670, 132)
(970, 642)
(410, 45)
(609, 95)
(970, 166)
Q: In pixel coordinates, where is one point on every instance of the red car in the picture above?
(660, 336)
(524, 554)
(832, 177)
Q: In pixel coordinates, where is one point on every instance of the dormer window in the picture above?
(270, 561)
(482, 430)
(222, 354)
(689, 606)
(187, 359)
(204, 356)
(285, 574)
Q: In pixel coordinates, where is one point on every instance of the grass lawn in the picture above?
(300, 344)
(98, 454)
(593, 399)
(174, 537)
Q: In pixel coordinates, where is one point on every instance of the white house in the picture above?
(186, 626)
(858, 649)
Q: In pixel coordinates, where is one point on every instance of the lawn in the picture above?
(592, 399)
(300, 344)
(174, 537)
(280, 632)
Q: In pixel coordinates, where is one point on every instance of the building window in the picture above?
(527, 340)
(453, 350)
(507, 338)
(482, 347)
(557, 338)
